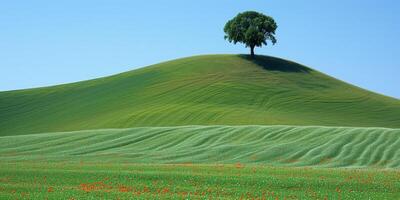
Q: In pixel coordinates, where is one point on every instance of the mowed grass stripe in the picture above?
(273, 145)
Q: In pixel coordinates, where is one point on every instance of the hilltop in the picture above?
(200, 90)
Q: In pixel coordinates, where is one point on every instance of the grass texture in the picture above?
(268, 145)
(203, 127)
(84, 180)
(200, 90)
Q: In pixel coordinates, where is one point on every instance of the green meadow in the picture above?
(267, 145)
(203, 127)
(200, 90)
(86, 180)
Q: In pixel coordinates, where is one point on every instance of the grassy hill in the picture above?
(272, 145)
(201, 90)
(219, 126)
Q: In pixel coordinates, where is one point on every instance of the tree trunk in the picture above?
(252, 51)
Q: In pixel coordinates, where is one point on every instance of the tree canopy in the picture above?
(252, 29)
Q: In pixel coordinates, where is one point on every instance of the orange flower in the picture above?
(239, 165)
(165, 190)
(146, 189)
(124, 189)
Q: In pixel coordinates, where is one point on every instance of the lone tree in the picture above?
(252, 29)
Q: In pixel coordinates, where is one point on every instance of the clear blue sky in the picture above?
(50, 42)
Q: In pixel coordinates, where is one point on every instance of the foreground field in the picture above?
(272, 145)
(203, 162)
(81, 180)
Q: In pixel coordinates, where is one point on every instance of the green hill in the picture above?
(201, 90)
(272, 145)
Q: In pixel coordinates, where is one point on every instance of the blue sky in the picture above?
(51, 42)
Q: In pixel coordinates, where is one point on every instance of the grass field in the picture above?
(65, 180)
(203, 162)
(204, 127)
(201, 90)
(270, 145)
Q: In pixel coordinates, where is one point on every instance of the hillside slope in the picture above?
(272, 145)
(201, 90)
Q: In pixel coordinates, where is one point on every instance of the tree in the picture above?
(252, 29)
